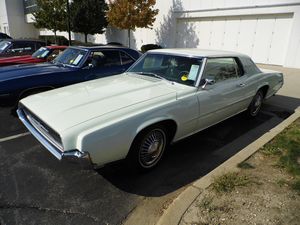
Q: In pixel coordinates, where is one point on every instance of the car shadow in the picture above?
(194, 157)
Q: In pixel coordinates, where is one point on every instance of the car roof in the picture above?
(100, 47)
(196, 52)
(24, 40)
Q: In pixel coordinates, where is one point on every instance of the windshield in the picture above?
(70, 56)
(180, 69)
(4, 45)
(41, 53)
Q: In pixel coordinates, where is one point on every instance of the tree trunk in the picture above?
(85, 37)
(129, 38)
(55, 38)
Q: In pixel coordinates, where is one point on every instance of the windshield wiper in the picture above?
(153, 75)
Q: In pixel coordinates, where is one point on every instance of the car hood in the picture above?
(17, 71)
(66, 107)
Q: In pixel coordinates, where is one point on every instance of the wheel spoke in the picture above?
(151, 148)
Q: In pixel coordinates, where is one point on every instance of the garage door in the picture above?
(263, 37)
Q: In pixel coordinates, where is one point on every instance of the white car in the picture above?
(165, 96)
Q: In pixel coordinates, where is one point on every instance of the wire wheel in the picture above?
(151, 148)
(256, 104)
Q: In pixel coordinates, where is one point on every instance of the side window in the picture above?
(126, 59)
(22, 47)
(111, 58)
(104, 58)
(220, 69)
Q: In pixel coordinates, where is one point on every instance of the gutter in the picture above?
(237, 8)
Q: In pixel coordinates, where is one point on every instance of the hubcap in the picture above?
(257, 104)
(152, 147)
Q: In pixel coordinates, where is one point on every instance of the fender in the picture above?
(153, 121)
(45, 88)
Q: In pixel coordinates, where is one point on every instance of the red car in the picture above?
(44, 54)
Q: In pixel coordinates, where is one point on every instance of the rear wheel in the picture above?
(148, 148)
(255, 104)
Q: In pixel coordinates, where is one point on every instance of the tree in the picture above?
(88, 16)
(130, 14)
(51, 14)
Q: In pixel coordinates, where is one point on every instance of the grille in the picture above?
(47, 132)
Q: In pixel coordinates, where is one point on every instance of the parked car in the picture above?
(74, 65)
(44, 54)
(164, 97)
(16, 47)
(4, 36)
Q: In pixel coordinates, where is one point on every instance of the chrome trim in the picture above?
(48, 145)
(42, 129)
(201, 72)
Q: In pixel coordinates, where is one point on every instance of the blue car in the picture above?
(74, 65)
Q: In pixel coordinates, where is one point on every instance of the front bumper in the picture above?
(59, 154)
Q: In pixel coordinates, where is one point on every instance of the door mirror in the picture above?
(208, 82)
(89, 66)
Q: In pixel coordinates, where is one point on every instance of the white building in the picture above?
(266, 30)
(13, 22)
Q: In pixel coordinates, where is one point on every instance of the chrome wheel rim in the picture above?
(152, 147)
(257, 104)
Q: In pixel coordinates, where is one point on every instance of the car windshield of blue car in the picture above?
(41, 53)
(71, 57)
(4, 45)
(180, 69)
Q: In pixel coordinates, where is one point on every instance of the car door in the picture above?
(104, 63)
(222, 92)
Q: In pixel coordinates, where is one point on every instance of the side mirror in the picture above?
(89, 66)
(208, 82)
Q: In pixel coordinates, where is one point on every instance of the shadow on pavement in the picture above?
(196, 156)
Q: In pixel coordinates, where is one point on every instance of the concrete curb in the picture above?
(179, 206)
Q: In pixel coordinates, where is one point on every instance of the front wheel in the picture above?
(148, 148)
(255, 104)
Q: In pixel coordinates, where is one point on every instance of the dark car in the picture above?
(74, 65)
(44, 54)
(4, 36)
(19, 47)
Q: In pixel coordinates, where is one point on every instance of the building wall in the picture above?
(3, 17)
(174, 26)
(172, 12)
(18, 27)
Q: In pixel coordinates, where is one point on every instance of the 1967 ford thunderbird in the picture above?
(165, 96)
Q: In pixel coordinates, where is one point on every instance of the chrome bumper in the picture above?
(50, 147)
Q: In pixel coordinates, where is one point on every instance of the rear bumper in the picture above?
(59, 154)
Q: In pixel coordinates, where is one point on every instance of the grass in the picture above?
(245, 165)
(286, 146)
(227, 182)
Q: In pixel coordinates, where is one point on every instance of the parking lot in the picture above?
(36, 188)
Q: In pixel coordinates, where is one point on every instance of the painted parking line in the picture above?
(14, 137)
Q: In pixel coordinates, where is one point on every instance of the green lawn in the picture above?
(285, 147)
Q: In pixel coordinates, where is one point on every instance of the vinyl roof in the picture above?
(198, 52)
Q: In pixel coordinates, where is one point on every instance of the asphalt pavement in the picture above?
(36, 188)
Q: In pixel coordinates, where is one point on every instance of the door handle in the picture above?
(241, 85)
